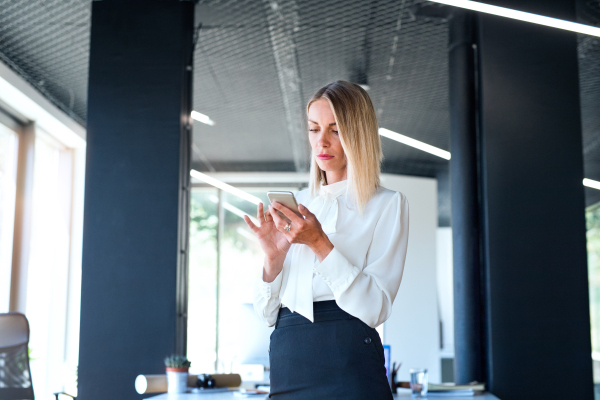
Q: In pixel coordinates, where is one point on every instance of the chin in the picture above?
(326, 166)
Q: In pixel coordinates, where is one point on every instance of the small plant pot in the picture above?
(177, 380)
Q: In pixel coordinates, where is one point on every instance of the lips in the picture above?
(325, 157)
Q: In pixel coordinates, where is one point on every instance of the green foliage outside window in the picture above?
(593, 249)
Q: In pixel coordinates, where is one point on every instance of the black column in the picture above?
(533, 276)
(466, 235)
(137, 170)
(536, 263)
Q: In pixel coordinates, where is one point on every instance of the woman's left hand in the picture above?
(303, 230)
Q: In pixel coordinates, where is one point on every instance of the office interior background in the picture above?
(117, 258)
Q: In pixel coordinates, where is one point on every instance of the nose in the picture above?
(323, 140)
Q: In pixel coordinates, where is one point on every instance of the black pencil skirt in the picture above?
(336, 357)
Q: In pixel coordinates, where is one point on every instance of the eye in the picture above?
(336, 132)
(313, 130)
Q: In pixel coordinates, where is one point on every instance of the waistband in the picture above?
(322, 311)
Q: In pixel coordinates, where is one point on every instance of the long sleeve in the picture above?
(266, 299)
(368, 293)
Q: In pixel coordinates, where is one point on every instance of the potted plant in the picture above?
(177, 373)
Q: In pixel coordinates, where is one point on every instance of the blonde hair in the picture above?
(359, 135)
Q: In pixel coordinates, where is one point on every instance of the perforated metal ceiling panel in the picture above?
(249, 81)
(241, 73)
(589, 81)
(47, 42)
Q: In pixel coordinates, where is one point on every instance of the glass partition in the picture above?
(224, 335)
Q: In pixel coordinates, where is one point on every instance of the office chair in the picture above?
(15, 375)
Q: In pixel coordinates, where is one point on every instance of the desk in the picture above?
(230, 395)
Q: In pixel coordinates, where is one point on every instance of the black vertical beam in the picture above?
(533, 199)
(466, 235)
(521, 290)
(132, 311)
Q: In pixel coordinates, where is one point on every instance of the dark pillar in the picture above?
(135, 198)
(466, 235)
(532, 164)
(533, 278)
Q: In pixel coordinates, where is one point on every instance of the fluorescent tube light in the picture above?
(223, 186)
(202, 118)
(523, 16)
(591, 183)
(414, 143)
(230, 207)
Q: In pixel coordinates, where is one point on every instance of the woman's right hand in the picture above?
(274, 243)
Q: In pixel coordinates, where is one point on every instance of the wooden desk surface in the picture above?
(231, 395)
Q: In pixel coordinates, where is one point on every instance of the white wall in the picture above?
(446, 289)
(413, 329)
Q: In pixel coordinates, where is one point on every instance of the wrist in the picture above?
(269, 275)
(272, 268)
(322, 247)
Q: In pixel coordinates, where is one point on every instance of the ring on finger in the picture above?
(288, 227)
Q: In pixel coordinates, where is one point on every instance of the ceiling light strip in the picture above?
(223, 186)
(233, 209)
(523, 16)
(591, 183)
(205, 119)
(414, 143)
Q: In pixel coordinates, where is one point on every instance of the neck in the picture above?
(335, 176)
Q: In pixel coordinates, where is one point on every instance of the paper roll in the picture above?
(158, 383)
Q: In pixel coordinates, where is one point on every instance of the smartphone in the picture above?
(285, 198)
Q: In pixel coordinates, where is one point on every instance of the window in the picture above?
(593, 249)
(202, 293)
(8, 185)
(44, 280)
(225, 259)
(48, 266)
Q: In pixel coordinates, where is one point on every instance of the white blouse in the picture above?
(363, 271)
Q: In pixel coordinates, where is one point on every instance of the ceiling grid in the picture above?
(392, 46)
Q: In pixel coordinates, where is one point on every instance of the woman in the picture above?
(330, 276)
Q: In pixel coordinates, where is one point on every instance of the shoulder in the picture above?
(386, 202)
(387, 207)
(384, 196)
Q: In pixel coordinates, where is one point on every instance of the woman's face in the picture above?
(325, 141)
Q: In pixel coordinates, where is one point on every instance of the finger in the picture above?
(292, 216)
(250, 224)
(268, 217)
(305, 211)
(259, 212)
(280, 223)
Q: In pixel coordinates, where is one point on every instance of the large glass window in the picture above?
(202, 303)
(48, 267)
(8, 184)
(225, 259)
(593, 249)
